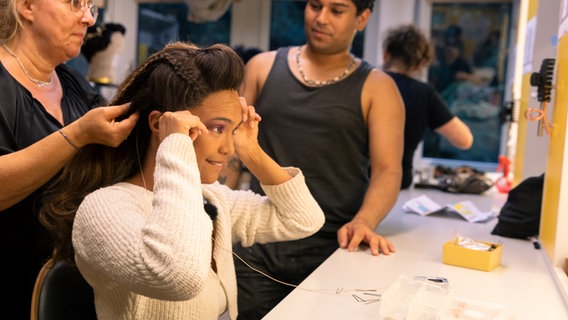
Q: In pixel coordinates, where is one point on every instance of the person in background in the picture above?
(47, 114)
(341, 121)
(486, 57)
(407, 53)
(147, 224)
(451, 66)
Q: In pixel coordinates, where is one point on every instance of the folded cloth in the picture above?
(520, 215)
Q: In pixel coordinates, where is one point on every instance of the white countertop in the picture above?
(522, 282)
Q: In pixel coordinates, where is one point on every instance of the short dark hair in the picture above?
(363, 4)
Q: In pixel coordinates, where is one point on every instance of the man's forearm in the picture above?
(380, 197)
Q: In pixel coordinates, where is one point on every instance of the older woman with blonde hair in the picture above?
(47, 114)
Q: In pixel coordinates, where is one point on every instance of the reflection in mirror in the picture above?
(471, 41)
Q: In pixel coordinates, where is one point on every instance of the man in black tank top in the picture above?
(341, 121)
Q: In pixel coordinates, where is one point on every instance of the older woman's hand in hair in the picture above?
(100, 126)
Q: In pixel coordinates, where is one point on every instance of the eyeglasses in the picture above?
(78, 8)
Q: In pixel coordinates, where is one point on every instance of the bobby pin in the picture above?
(372, 294)
(359, 299)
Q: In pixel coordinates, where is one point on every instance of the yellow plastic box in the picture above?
(473, 259)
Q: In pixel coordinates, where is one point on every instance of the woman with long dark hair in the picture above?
(147, 224)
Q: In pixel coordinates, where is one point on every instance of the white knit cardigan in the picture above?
(147, 255)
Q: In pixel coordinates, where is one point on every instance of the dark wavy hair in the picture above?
(409, 45)
(178, 77)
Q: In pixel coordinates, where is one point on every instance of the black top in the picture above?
(24, 121)
(321, 131)
(445, 74)
(424, 109)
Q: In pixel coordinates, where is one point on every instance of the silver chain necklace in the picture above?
(317, 83)
(37, 82)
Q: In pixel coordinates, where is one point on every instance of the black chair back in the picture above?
(61, 293)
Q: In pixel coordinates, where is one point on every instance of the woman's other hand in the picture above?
(246, 136)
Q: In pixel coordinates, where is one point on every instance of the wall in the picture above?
(545, 46)
(555, 199)
(247, 21)
(531, 149)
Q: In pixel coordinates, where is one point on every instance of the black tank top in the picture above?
(322, 132)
